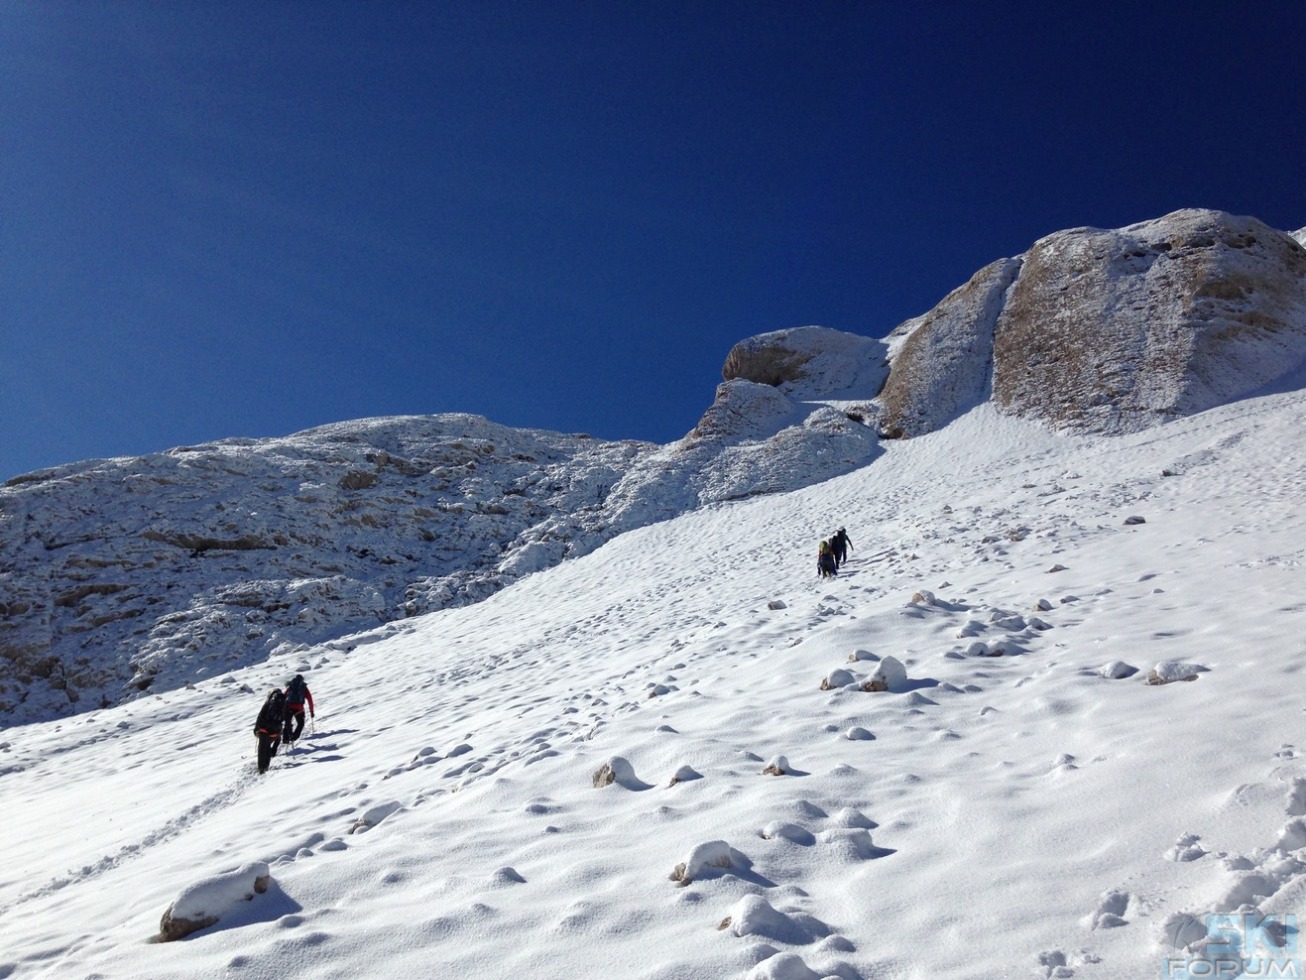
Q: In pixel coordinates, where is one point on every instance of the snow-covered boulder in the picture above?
(1169, 671)
(891, 675)
(373, 815)
(1117, 669)
(684, 774)
(708, 860)
(788, 831)
(753, 915)
(620, 771)
(1293, 835)
(837, 678)
(1296, 803)
(783, 966)
(204, 903)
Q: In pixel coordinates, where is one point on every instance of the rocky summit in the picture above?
(129, 575)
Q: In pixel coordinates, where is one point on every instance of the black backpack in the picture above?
(295, 690)
(273, 712)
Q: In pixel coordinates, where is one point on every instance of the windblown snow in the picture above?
(626, 766)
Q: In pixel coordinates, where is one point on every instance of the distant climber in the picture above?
(825, 563)
(267, 727)
(297, 693)
(840, 544)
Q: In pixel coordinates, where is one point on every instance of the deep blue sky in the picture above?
(244, 219)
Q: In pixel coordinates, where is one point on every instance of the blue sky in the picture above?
(245, 219)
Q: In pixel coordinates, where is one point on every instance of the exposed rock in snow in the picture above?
(620, 771)
(810, 362)
(374, 815)
(753, 915)
(685, 774)
(204, 903)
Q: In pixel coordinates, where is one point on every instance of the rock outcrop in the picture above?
(942, 361)
(1108, 331)
(1114, 331)
(809, 362)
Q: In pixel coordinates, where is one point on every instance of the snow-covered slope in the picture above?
(1018, 807)
(126, 575)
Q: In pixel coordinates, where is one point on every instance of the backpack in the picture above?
(273, 712)
(295, 690)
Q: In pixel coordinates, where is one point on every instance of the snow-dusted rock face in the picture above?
(809, 362)
(1114, 331)
(1108, 331)
(134, 574)
(142, 574)
(794, 402)
(942, 360)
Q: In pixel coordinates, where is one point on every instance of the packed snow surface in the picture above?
(1021, 802)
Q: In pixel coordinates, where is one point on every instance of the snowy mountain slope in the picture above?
(121, 576)
(1019, 815)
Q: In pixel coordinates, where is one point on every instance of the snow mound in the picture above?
(753, 915)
